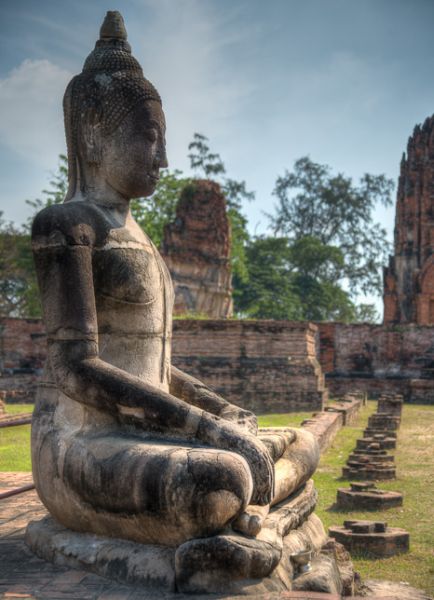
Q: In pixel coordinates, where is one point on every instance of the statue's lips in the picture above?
(155, 178)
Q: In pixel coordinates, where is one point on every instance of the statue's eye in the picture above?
(152, 135)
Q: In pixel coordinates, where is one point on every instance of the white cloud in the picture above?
(31, 109)
(183, 51)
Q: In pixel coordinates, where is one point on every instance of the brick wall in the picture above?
(262, 365)
(22, 343)
(377, 358)
(273, 365)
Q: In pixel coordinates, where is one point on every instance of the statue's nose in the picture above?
(163, 159)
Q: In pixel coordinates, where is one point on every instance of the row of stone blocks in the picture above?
(370, 461)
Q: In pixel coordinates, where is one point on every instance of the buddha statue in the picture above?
(124, 445)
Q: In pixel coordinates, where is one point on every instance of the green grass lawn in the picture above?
(414, 458)
(15, 442)
(283, 420)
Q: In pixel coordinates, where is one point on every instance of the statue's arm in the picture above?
(63, 248)
(194, 392)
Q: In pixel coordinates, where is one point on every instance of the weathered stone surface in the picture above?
(349, 406)
(390, 404)
(218, 564)
(24, 574)
(409, 278)
(384, 421)
(371, 537)
(236, 563)
(370, 433)
(384, 441)
(351, 580)
(372, 471)
(372, 454)
(324, 577)
(196, 249)
(366, 496)
(148, 565)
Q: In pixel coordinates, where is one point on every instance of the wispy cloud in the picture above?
(184, 52)
(30, 105)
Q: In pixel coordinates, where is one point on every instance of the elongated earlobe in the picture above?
(92, 136)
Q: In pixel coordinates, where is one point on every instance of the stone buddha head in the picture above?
(114, 121)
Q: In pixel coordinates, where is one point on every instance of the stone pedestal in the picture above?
(366, 496)
(371, 463)
(373, 432)
(374, 538)
(384, 421)
(369, 471)
(226, 563)
(384, 442)
(390, 404)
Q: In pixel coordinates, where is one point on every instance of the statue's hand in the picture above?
(222, 434)
(245, 419)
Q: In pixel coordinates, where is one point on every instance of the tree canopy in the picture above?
(313, 202)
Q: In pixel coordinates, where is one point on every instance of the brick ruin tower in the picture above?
(196, 248)
(409, 278)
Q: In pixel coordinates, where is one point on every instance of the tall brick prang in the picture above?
(409, 278)
(196, 249)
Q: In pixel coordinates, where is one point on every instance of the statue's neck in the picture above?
(98, 191)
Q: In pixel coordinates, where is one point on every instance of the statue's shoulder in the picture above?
(72, 223)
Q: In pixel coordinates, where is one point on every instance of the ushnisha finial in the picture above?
(113, 26)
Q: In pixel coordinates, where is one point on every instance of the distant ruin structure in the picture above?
(196, 248)
(409, 278)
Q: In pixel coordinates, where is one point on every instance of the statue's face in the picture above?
(134, 154)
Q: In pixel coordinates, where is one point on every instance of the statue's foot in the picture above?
(216, 563)
(250, 522)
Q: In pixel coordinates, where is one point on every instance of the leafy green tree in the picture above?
(152, 214)
(316, 273)
(203, 160)
(314, 202)
(294, 281)
(18, 288)
(268, 291)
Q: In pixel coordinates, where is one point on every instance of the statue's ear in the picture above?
(92, 135)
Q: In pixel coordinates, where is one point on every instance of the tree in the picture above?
(267, 292)
(330, 208)
(152, 214)
(18, 289)
(293, 281)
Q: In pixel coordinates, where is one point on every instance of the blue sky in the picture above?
(344, 81)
